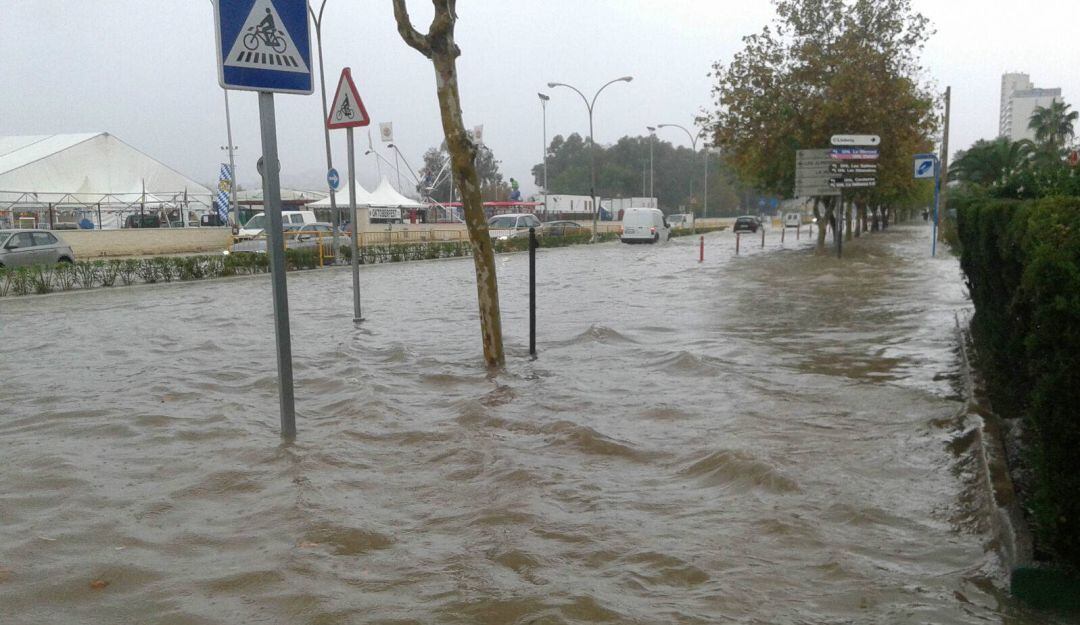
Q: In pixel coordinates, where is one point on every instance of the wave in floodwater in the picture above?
(757, 439)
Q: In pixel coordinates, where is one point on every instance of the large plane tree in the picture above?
(439, 46)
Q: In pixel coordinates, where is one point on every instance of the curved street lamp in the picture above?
(592, 143)
(335, 215)
(693, 147)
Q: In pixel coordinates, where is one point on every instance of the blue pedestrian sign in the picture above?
(333, 179)
(924, 165)
(264, 45)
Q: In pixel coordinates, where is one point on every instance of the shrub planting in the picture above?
(1022, 262)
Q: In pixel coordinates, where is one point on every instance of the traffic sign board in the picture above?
(812, 173)
(854, 154)
(333, 180)
(264, 45)
(348, 110)
(855, 168)
(924, 165)
(846, 182)
(856, 140)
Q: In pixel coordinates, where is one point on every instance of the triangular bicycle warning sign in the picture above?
(348, 109)
(264, 43)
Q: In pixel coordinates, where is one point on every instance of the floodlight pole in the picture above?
(592, 142)
(232, 162)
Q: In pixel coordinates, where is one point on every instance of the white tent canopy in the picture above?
(341, 198)
(386, 195)
(89, 173)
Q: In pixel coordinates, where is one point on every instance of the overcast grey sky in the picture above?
(145, 72)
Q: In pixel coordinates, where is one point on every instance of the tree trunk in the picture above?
(859, 208)
(821, 222)
(847, 222)
(438, 45)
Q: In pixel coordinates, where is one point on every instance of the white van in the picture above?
(681, 220)
(792, 220)
(644, 225)
(289, 219)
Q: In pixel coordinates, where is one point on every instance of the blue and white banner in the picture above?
(221, 201)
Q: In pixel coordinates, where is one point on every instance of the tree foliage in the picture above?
(435, 176)
(827, 67)
(1023, 169)
(622, 170)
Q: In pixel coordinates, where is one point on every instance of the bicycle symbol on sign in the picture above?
(345, 110)
(266, 32)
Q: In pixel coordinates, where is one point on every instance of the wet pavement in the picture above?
(770, 438)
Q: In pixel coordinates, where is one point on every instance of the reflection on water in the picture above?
(762, 439)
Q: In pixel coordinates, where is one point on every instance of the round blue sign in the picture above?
(333, 179)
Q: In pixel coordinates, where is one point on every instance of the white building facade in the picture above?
(1019, 99)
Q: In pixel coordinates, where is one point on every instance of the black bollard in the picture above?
(532, 292)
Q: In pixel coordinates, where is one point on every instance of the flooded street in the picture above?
(760, 439)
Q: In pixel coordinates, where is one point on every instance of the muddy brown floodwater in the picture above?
(762, 439)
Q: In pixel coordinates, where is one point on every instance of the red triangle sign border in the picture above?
(346, 81)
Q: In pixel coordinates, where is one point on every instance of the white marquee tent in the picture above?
(382, 203)
(93, 176)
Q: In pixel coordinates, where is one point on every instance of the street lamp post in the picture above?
(693, 147)
(232, 163)
(543, 105)
(652, 140)
(592, 141)
(326, 131)
(397, 153)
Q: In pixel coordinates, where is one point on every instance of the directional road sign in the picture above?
(264, 45)
(845, 182)
(348, 110)
(856, 140)
(812, 173)
(854, 168)
(854, 154)
(924, 165)
(333, 179)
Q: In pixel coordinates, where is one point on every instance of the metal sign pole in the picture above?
(276, 243)
(937, 197)
(357, 317)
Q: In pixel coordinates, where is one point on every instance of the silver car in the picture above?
(23, 248)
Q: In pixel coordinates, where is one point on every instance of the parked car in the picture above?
(257, 224)
(561, 228)
(512, 225)
(644, 225)
(296, 236)
(23, 248)
(747, 223)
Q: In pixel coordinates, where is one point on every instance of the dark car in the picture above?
(746, 223)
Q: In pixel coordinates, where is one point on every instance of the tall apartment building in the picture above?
(1019, 99)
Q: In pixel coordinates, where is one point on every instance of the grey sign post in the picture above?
(266, 47)
(348, 112)
(272, 205)
(357, 315)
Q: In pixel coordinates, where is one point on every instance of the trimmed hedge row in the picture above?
(43, 279)
(1022, 261)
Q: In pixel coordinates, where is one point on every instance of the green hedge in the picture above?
(1022, 261)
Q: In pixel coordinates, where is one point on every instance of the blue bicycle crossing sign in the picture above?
(264, 45)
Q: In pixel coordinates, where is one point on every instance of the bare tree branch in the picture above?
(410, 35)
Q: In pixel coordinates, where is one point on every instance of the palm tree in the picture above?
(1053, 125)
(992, 163)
